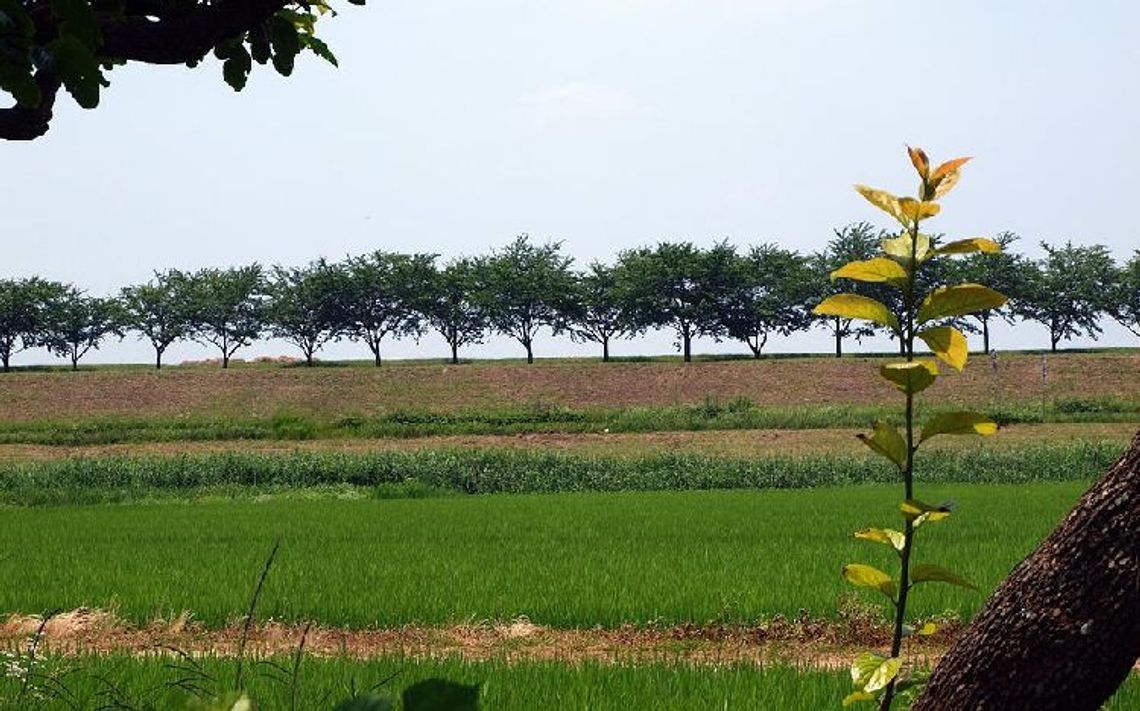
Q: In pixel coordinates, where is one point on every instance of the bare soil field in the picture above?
(802, 642)
(726, 443)
(265, 391)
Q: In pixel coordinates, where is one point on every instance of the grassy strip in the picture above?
(417, 473)
(322, 683)
(711, 415)
(563, 560)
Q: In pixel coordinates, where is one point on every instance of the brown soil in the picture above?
(802, 642)
(728, 443)
(262, 391)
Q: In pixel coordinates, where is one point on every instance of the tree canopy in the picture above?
(48, 45)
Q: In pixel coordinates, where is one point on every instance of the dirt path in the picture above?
(728, 443)
(799, 642)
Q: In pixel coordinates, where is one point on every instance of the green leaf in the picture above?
(886, 441)
(286, 43)
(912, 377)
(859, 307)
(948, 344)
(319, 48)
(899, 248)
(367, 702)
(78, 69)
(958, 301)
(236, 65)
(886, 672)
(867, 576)
(857, 696)
(863, 666)
(889, 536)
(927, 573)
(877, 270)
(958, 423)
(966, 246)
(77, 19)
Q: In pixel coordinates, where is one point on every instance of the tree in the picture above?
(228, 307)
(773, 290)
(378, 296)
(78, 323)
(1003, 271)
(526, 287)
(857, 241)
(596, 313)
(24, 307)
(162, 310)
(49, 45)
(301, 307)
(679, 286)
(449, 301)
(1068, 291)
(1063, 631)
(1125, 302)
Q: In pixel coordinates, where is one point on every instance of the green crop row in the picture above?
(565, 560)
(487, 471)
(739, 413)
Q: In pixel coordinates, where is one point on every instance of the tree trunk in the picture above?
(529, 352)
(838, 340)
(986, 335)
(74, 362)
(1063, 631)
(225, 360)
(309, 358)
(7, 363)
(455, 352)
(158, 359)
(605, 349)
(688, 346)
(376, 353)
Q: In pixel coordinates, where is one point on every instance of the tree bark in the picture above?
(986, 335)
(454, 353)
(838, 340)
(688, 345)
(529, 352)
(1063, 631)
(605, 349)
(157, 359)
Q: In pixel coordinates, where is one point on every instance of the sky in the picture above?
(452, 126)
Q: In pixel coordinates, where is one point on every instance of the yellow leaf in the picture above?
(918, 512)
(893, 538)
(899, 248)
(863, 666)
(860, 307)
(911, 378)
(965, 246)
(868, 576)
(886, 441)
(879, 269)
(948, 344)
(881, 199)
(958, 423)
(927, 629)
(958, 301)
(913, 210)
(920, 161)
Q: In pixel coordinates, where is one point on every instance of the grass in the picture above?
(564, 560)
(491, 470)
(736, 414)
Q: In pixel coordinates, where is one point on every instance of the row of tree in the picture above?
(719, 292)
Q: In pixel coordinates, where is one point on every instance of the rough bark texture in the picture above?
(1063, 631)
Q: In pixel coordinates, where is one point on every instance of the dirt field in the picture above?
(265, 391)
(727, 443)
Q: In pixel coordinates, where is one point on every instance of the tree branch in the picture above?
(175, 38)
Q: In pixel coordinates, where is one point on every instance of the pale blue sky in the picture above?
(452, 126)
